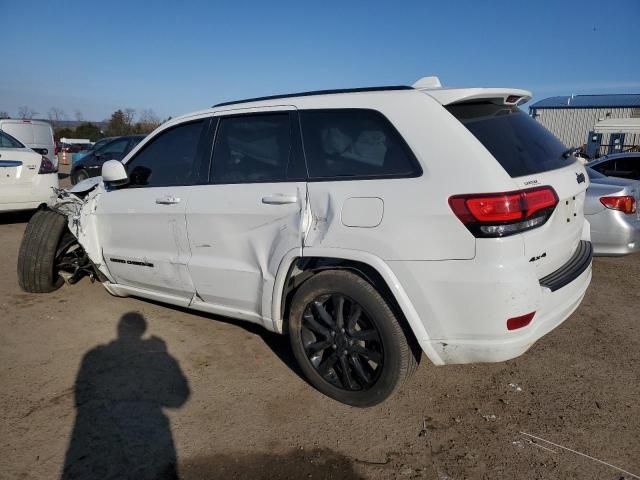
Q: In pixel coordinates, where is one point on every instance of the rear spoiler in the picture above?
(447, 96)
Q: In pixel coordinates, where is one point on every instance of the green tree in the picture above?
(118, 124)
(64, 132)
(88, 130)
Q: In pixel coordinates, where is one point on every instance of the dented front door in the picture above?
(144, 238)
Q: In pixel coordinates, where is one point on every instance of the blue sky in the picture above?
(175, 56)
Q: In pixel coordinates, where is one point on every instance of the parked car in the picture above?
(622, 165)
(611, 207)
(91, 148)
(90, 164)
(35, 134)
(367, 224)
(100, 143)
(26, 177)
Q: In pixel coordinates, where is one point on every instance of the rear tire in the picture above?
(36, 258)
(358, 362)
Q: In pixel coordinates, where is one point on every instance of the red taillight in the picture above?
(506, 213)
(46, 166)
(519, 322)
(626, 203)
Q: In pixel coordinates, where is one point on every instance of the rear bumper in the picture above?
(614, 233)
(555, 308)
(464, 305)
(27, 196)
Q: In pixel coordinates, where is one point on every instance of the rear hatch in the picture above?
(533, 157)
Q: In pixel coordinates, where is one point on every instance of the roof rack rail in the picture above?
(316, 92)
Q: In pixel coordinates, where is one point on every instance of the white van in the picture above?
(35, 134)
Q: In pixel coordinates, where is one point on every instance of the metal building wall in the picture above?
(572, 125)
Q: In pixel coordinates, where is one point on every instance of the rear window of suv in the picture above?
(517, 141)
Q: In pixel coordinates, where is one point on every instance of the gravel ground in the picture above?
(227, 401)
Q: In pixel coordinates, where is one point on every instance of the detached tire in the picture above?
(347, 340)
(36, 259)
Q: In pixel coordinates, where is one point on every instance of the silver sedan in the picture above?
(611, 207)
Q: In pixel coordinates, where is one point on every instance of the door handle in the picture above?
(167, 200)
(279, 199)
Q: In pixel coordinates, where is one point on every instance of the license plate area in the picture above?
(9, 170)
(572, 208)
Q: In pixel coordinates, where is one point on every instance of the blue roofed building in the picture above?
(580, 121)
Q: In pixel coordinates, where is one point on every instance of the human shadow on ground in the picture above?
(121, 391)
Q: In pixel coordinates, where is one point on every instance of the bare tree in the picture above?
(79, 116)
(4, 114)
(56, 115)
(129, 115)
(26, 113)
(148, 121)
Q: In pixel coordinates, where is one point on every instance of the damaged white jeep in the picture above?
(370, 225)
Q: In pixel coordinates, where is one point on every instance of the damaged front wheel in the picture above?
(49, 253)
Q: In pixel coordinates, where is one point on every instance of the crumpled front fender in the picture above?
(79, 204)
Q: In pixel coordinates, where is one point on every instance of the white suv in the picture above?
(368, 224)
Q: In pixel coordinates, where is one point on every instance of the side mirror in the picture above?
(114, 173)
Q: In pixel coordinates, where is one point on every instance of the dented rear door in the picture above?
(248, 217)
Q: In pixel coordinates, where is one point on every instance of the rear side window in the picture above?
(7, 141)
(354, 143)
(169, 159)
(253, 149)
(518, 142)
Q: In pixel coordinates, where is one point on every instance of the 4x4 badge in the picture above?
(580, 177)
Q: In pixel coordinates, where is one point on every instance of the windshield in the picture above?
(520, 144)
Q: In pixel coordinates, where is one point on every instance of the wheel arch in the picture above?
(294, 270)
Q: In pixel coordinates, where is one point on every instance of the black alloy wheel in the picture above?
(341, 343)
(347, 340)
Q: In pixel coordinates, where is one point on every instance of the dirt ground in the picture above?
(227, 401)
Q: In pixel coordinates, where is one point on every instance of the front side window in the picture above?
(252, 149)
(354, 143)
(7, 141)
(169, 159)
